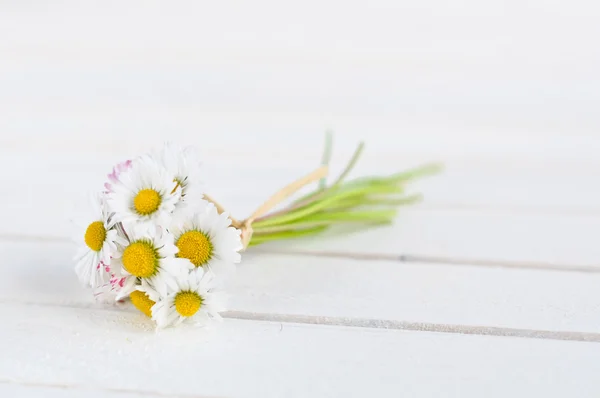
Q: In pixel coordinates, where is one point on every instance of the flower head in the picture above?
(98, 243)
(191, 298)
(145, 193)
(206, 239)
(148, 255)
(184, 165)
(152, 238)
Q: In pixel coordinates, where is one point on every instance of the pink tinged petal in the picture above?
(128, 287)
(116, 172)
(118, 281)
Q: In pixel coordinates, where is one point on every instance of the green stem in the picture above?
(258, 238)
(313, 196)
(327, 201)
(331, 218)
(365, 201)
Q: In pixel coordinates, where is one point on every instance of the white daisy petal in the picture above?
(205, 238)
(128, 287)
(97, 243)
(184, 165)
(152, 237)
(145, 193)
(177, 266)
(192, 300)
(142, 261)
(149, 289)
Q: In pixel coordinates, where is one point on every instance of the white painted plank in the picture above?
(410, 70)
(515, 218)
(260, 359)
(334, 288)
(245, 177)
(480, 103)
(493, 236)
(267, 133)
(404, 57)
(421, 293)
(187, 25)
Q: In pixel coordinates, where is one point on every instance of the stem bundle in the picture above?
(365, 201)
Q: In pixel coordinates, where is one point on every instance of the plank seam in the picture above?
(410, 258)
(403, 258)
(367, 323)
(141, 393)
(416, 326)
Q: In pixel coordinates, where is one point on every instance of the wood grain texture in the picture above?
(462, 219)
(245, 359)
(377, 291)
(34, 389)
(487, 238)
(504, 93)
(407, 76)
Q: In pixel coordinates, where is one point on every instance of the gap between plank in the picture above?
(404, 258)
(140, 393)
(367, 323)
(410, 258)
(416, 326)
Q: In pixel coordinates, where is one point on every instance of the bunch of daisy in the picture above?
(155, 238)
(150, 237)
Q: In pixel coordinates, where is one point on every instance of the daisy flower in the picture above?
(192, 299)
(148, 255)
(184, 165)
(144, 193)
(206, 238)
(98, 243)
(146, 294)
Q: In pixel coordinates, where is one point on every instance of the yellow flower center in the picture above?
(146, 201)
(195, 246)
(187, 303)
(140, 259)
(95, 234)
(142, 302)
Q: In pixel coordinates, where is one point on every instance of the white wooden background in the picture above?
(490, 288)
